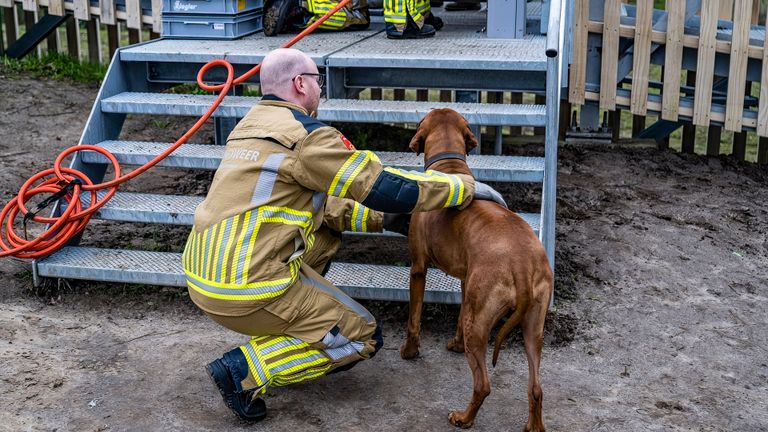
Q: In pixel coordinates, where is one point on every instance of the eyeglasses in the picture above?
(320, 77)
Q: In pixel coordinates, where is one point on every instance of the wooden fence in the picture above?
(121, 22)
(642, 34)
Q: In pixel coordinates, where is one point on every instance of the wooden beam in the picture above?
(73, 38)
(133, 9)
(113, 41)
(642, 57)
(29, 5)
(610, 55)
(83, 10)
(11, 28)
(713, 140)
(56, 7)
(689, 130)
(737, 73)
(578, 73)
(108, 13)
(157, 16)
(762, 151)
(94, 41)
(689, 41)
(656, 107)
(726, 10)
(673, 59)
(705, 67)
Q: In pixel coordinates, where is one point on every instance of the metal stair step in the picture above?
(363, 281)
(343, 110)
(179, 210)
(202, 156)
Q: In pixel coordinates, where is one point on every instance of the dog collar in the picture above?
(442, 156)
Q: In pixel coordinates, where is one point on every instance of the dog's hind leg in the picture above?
(477, 328)
(410, 348)
(457, 343)
(533, 336)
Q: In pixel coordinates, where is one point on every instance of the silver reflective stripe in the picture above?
(256, 364)
(344, 350)
(247, 239)
(279, 345)
(340, 296)
(272, 288)
(207, 251)
(359, 212)
(297, 362)
(456, 189)
(222, 247)
(283, 214)
(267, 178)
(318, 198)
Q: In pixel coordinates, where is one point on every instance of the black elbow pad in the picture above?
(393, 194)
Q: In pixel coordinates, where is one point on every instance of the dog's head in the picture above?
(443, 130)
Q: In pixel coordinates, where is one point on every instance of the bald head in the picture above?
(278, 69)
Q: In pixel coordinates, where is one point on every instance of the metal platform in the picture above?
(180, 210)
(376, 282)
(343, 110)
(208, 157)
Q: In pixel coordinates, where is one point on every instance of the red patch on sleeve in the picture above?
(347, 143)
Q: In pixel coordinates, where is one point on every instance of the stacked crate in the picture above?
(211, 19)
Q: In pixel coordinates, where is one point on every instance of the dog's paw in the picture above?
(455, 346)
(458, 419)
(409, 352)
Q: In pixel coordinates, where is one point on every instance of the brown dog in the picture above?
(500, 261)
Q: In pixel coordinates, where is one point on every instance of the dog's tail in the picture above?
(511, 323)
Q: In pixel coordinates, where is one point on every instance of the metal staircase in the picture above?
(458, 58)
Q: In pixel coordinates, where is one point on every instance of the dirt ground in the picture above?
(662, 270)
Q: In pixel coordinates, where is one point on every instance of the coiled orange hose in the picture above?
(68, 184)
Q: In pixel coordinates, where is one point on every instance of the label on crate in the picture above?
(182, 6)
(218, 26)
(240, 5)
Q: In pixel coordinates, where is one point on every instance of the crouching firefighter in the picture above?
(286, 15)
(264, 235)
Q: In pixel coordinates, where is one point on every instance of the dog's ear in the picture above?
(469, 138)
(417, 142)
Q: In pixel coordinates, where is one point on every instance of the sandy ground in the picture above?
(662, 264)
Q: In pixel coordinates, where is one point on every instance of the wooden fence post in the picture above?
(609, 68)
(376, 94)
(641, 58)
(94, 40)
(714, 135)
(53, 39)
(702, 103)
(689, 129)
(73, 38)
(762, 151)
(673, 60)
(446, 95)
(737, 73)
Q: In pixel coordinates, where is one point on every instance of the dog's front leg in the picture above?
(410, 348)
(457, 343)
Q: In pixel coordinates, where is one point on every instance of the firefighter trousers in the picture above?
(311, 330)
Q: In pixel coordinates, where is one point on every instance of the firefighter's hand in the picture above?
(396, 222)
(485, 192)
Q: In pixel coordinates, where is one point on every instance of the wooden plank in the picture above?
(30, 19)
(656, 106)
(107, 11)
(739, 150)
(133, 9)
(29, 5)
(6, 3)
(94, 41)
(642, 57)
(82, 10)
(713, 140)
(53, 39)
(638, 125)
(11, 29)
(755, 13)
(762, 116)
(705, 65)
(56, 7)
(762, 151)
(689, 41)
(134, 36)
(73, 38)
(614, 120)
(578, 72)
(673, 59)
(737, 73)
(157, 16)
(610, 55)
(726, 9)
(113, 41)
(689, 130)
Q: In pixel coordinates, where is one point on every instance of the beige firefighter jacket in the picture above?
(284, 174)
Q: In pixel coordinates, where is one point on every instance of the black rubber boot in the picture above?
(277, 14)
(227, 373)
(434, 21)
(411, 31)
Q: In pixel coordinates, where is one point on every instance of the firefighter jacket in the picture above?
(271, 193)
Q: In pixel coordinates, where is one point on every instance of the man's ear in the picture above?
(469, 139)
(417, 142)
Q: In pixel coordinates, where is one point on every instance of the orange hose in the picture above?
(54, 180)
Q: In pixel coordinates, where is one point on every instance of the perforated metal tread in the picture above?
(344, 110)
(179, 210)
(201, 156)
(363, 281)
(248, 50)
(451, 48)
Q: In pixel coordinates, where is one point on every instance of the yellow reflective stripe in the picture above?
(348, 172)
(365, 219)
(233, 230)
(456, 186)
(204, 246)
(315, 355)
(278, 287)
(218, 230)
(354, 174)
(198, 252)
(259, 372)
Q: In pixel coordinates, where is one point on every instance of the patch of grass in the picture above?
(56, 66)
